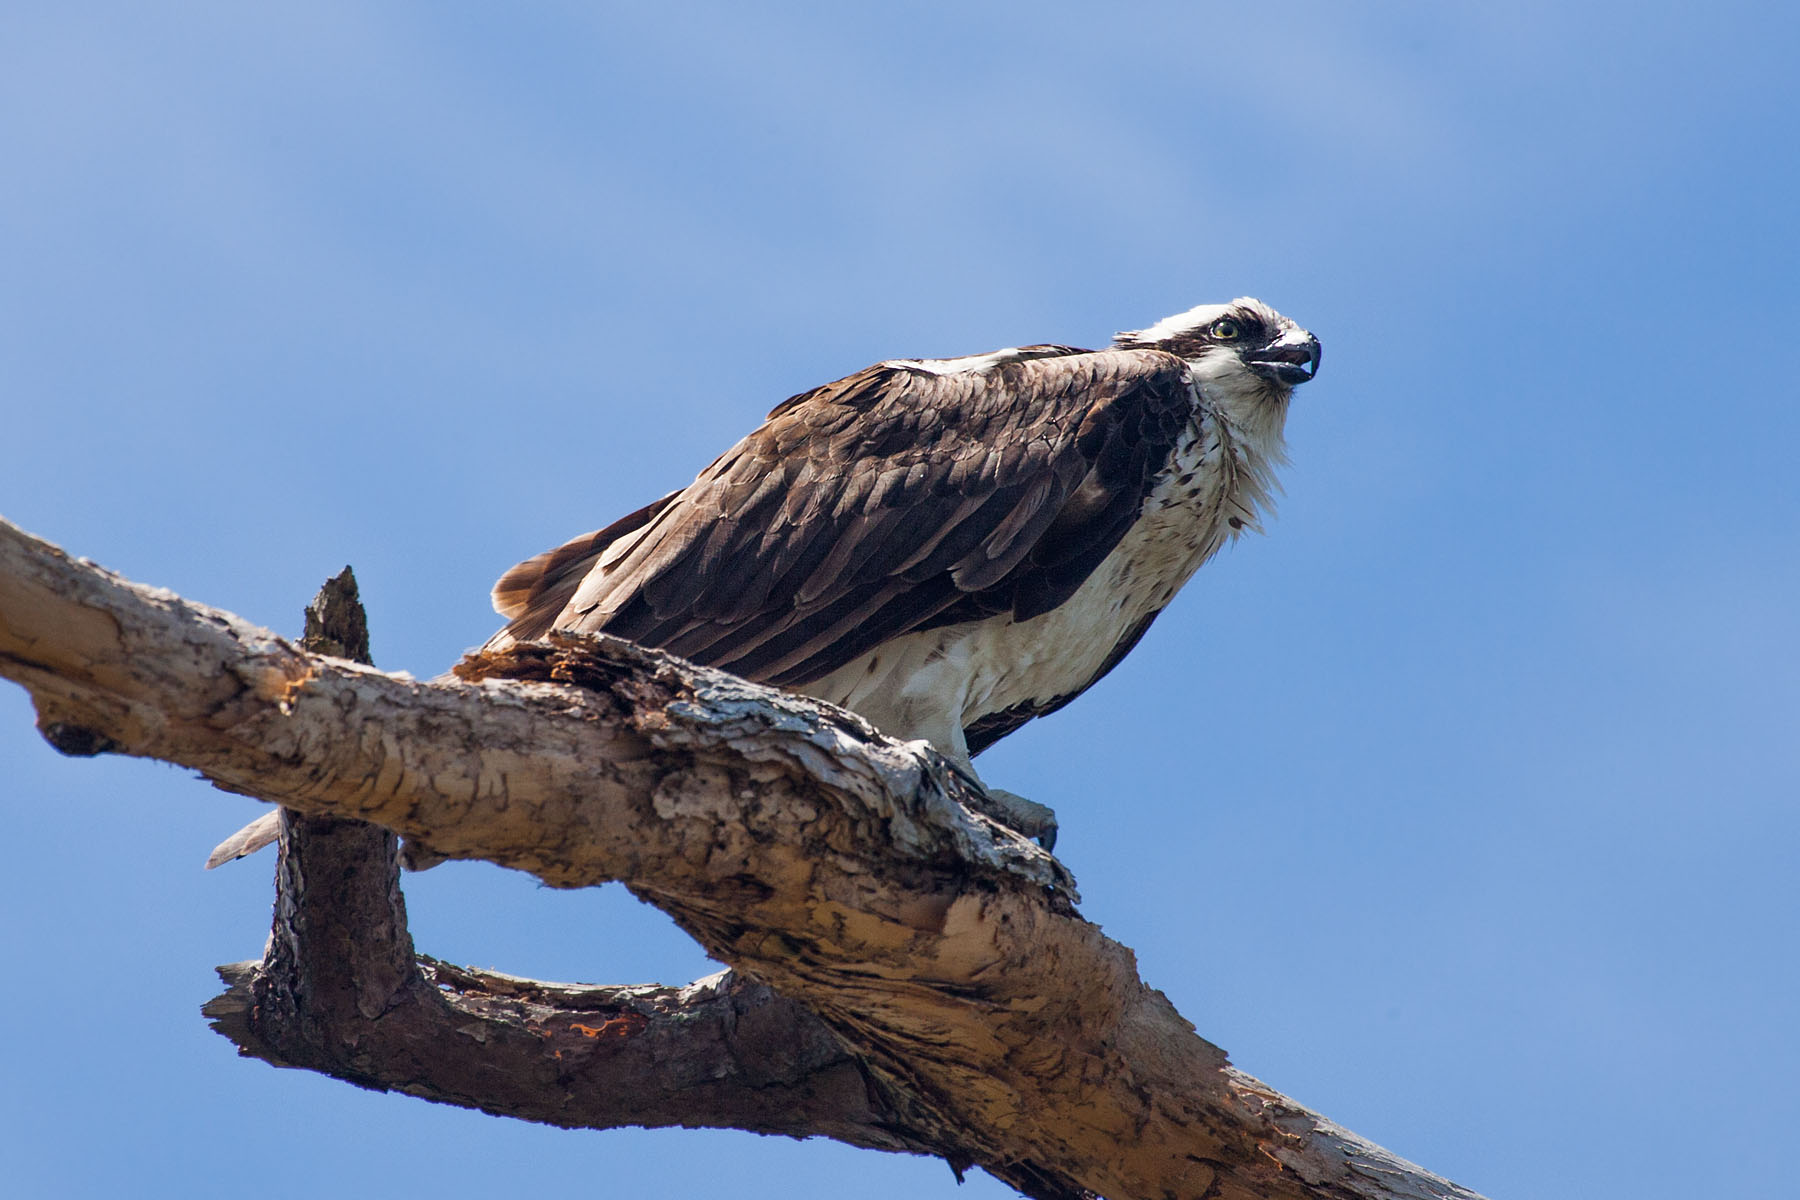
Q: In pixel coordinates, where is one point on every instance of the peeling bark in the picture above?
(953, 999)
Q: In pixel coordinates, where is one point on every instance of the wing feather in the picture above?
(534, 593)
(895, 499)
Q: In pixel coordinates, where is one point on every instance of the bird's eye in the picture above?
(1226, 329)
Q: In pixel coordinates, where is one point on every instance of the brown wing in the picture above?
(533, 594)
(893, 500)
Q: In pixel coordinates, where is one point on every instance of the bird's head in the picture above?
(1241, 353)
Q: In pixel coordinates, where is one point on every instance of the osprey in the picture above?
(949, 547)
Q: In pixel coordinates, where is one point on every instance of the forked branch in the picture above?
(978, 1015)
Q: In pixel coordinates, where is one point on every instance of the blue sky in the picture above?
(1462, 807)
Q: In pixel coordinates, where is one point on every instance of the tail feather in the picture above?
(533, 594)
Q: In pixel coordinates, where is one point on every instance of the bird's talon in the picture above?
(1026, 817)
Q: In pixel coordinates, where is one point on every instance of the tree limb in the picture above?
(818, 858)
(339, 991)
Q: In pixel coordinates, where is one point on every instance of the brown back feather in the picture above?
(891, 500)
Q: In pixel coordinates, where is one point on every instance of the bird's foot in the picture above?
(1025, 817)
(1028, 817)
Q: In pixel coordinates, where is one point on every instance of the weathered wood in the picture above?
(792, 840)
(339, 991)
(339, 954)
(720, 1053)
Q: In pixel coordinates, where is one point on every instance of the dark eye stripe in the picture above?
(1245, 328)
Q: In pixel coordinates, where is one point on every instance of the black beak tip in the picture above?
(1292, 365)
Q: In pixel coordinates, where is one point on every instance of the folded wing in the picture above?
(901, 498)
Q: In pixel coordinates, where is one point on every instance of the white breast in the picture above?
(930, 685)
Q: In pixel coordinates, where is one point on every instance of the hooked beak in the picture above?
(1291, 361)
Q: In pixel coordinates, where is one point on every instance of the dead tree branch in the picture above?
(339, 990)
(941, 955)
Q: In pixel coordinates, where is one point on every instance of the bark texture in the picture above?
(908, 975)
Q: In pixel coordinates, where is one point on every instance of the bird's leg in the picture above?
(1034, 820)
(1026, 817)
